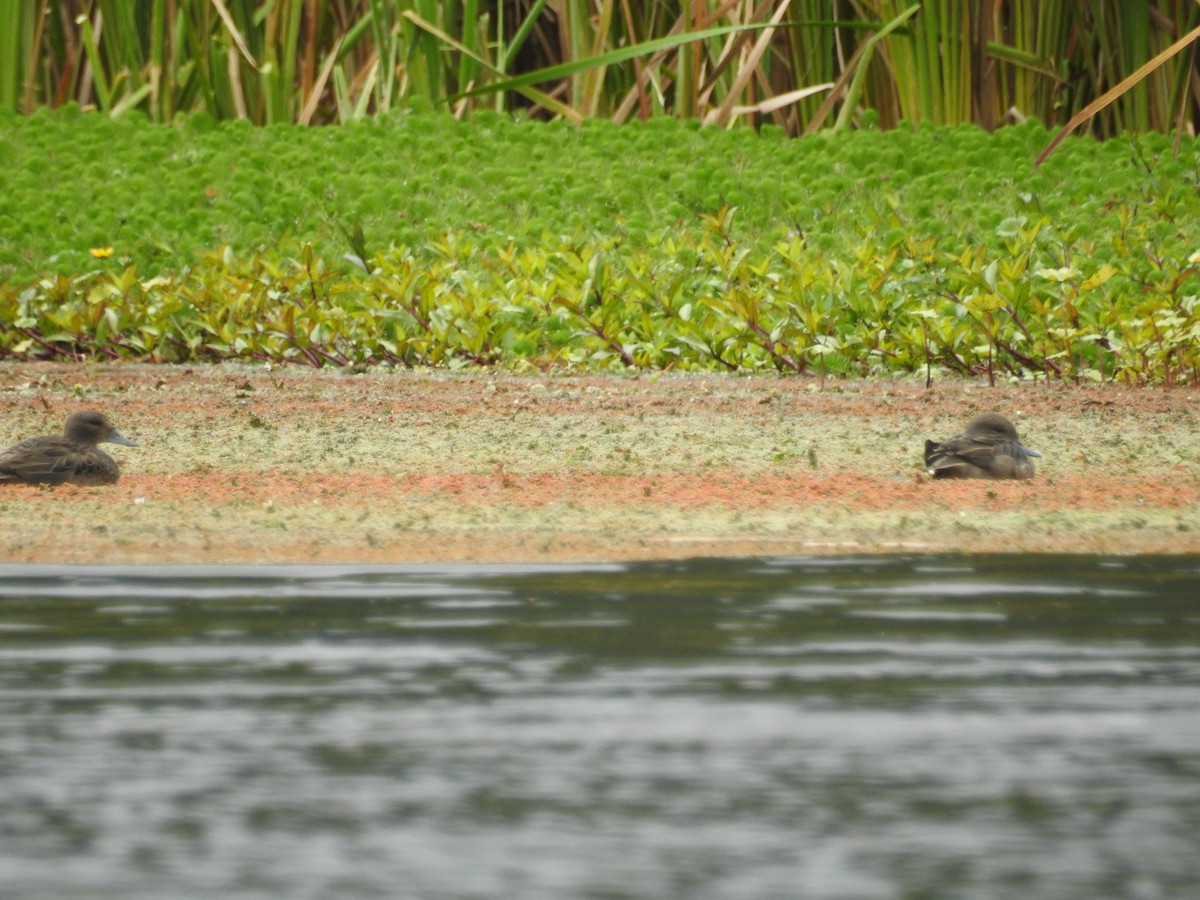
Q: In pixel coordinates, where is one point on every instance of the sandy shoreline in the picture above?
(245, 464)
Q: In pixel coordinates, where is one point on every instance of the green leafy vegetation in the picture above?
(160, 196)
(421, 240)
(800, 65)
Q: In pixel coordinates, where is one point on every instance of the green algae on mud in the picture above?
(249, 464)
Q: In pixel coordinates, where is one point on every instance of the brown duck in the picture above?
(988, 449)
(72, 457)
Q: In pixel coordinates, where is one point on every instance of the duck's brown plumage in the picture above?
(71, 457)
(989, 448)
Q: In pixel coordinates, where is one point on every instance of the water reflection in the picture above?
(871, 727)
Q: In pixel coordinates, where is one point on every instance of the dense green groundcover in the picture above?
(421, 240)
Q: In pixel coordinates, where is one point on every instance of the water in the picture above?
(815, 728)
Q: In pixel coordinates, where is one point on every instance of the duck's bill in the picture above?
(1029, 451)
(115, 437)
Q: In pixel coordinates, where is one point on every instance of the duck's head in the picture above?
(91, 427)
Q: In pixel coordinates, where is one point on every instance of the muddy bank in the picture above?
(244, 464)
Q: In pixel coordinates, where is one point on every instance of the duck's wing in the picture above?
(40, 461)
(960, 457)
(978, 456)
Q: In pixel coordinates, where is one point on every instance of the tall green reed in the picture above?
(724, 61)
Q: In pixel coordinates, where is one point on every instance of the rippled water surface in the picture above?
(784, 728)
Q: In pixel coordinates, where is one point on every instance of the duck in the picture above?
(989, 448)
(71, 458)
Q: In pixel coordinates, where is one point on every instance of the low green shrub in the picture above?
(676, 302)
(420, 240)
(72, 181)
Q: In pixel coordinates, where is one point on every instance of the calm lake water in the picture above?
(772, 728)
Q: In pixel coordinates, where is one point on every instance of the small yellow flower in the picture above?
(101, 252)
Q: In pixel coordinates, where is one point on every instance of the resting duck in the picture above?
(988, 449)
(72, 457)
